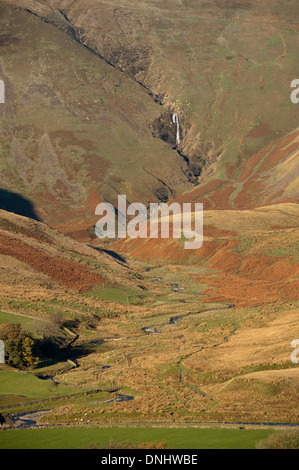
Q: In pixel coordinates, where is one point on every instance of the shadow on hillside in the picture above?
(115, 255)
(13, 202)
(111, 253)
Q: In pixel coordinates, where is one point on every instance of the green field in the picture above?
(8, 318)
(29, 386)
(175, 438)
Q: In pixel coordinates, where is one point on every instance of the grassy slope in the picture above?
(8, 318)
(28, 386)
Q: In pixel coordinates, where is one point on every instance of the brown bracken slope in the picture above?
(63, 261)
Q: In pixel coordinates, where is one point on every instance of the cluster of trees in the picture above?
(42, 340)
(23, 347)
(19, 346)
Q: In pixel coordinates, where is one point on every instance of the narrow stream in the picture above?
(28, 420)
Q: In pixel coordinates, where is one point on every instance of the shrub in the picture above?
(280, 440)
(113, 444)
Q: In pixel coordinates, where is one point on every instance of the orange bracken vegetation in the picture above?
(66, 273)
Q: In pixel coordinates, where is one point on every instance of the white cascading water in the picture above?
(175, 119)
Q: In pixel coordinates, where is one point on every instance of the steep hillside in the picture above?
(225, 68)
(269, 177)
(73, 127)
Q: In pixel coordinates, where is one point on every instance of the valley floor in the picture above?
(206, 340)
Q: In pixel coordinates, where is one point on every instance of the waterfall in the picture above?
(2, 92)
(175, 119)
(2, 352)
